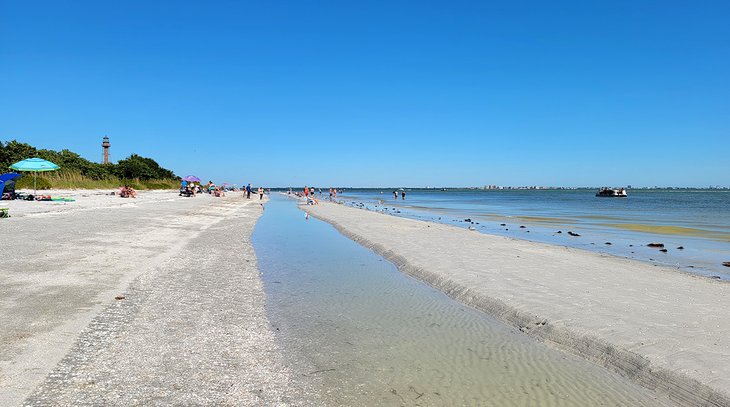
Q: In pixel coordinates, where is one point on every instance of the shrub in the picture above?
(79, 169)
(26, 182)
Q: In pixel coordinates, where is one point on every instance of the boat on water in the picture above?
(612, 193)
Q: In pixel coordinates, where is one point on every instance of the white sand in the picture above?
(85, 199)
(666, 330)
(194, 303)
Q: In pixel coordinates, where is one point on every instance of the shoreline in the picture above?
(654, 335)
(187, 295)
(701, 252)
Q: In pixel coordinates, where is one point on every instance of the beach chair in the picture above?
(185, 192)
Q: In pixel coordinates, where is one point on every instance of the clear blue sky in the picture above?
(378, 93)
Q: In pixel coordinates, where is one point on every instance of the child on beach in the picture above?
(261, 192)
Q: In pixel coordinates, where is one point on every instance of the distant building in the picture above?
(105, 150)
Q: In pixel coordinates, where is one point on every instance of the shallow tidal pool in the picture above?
(362, 333)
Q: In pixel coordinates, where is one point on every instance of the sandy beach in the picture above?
(110, 301)
(159, 300)
(658, 327)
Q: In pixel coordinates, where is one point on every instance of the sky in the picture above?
(391, 93)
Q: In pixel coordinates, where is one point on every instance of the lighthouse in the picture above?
(105, 149)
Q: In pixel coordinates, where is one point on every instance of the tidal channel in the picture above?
(362, 333)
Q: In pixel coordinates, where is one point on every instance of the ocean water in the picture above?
(694, 225)
(363, 334)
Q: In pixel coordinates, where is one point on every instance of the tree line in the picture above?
(132, 167)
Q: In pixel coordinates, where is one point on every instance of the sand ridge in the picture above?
(664, 329)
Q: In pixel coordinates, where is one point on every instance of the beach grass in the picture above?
(75, 180)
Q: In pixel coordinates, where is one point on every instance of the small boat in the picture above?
(612, 193)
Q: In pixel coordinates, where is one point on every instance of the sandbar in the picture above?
(662, 328)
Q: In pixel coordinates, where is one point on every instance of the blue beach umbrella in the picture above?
(34, 165)
(9, 176)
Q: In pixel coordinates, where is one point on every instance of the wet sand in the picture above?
(191, 328)
(664, 329)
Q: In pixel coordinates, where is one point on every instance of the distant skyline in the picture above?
(369, 94)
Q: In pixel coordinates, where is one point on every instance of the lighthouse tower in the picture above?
(105, 149)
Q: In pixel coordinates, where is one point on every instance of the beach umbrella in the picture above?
(34, 165)
(191, 178)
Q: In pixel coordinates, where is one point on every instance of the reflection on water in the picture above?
(365, 334)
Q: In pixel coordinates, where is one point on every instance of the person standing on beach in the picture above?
(330, 194)
(248, 191)
(306, 192)
(261, 193)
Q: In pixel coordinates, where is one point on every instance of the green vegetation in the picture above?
(78, 172)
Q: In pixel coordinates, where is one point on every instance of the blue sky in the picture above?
(379, 93)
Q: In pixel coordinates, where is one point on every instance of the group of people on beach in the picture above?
(308, 193)
(248, 189)
(127, 192)
(192, 189)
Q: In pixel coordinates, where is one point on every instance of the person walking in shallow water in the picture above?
(395, 195)
(403, 195)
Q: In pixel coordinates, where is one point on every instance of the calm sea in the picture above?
(694, 225)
